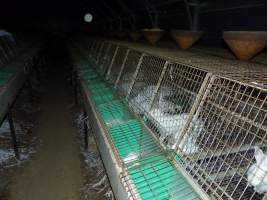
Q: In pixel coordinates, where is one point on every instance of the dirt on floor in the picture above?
(59, 170)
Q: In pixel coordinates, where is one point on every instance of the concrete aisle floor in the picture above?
(56, 172)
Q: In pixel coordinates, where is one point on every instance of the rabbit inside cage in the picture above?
(166, 107)
(231, 162)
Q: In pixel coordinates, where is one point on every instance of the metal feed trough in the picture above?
(210, 112)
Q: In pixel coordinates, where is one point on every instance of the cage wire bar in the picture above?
(234, 120)
(130, 145)
(131, 137)
(217, 136)
(6, 49)
(104, 57)
(110, 56)
(117, 64)
(127, 73)
(214, 64)
(140, 142)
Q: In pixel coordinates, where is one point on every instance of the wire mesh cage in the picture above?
(4, 56)
(94, 50)
(215, 123)
(164, 93)
(100, 52)
(5, 48)
(103, 55)
(97, 51)
(126, 77)
(172, 102)
(256, 77)
(91, 46)
(145, 83)
(229, 162)
(107, 57)
(116, 64)
(156, 178)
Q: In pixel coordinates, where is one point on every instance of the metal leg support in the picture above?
(13, 134)
(85, 130)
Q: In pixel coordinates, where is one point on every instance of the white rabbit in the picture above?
(257, 173)
(171, 126)
(144, 98)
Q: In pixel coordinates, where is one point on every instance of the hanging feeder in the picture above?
(245, 44)
(153, 35)
(186, 39)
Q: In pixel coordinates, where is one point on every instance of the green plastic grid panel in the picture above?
(6, 74)
(133, 141)
(157, 178)
(96, 84)
(98, 88)
(104, 97)
(4, 78)
(89, 76)
(114, 112)
(93, 79)
(9, 69)
(87, 70)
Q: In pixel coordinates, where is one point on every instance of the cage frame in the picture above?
(202, 94)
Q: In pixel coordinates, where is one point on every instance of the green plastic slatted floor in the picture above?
(157, 178)
(6, 74)
(153, 175)
(133, 141)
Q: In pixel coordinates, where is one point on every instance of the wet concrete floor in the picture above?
(55, 173)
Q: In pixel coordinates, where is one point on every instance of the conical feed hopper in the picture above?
(186, 39)
(153, 35)
(245, 44)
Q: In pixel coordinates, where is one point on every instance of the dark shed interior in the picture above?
(133, 100)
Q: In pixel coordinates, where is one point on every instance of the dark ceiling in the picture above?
(116, 14)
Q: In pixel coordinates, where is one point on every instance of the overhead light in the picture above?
(88, 17)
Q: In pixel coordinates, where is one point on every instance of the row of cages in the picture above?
(216, 124)
(7, 49)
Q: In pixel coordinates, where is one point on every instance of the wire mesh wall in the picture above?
(257, 78)
(98, 49)
(93, 51)
(229, 162)
(102, 58)
(220, 139)
(156, 178)
(145, 83)
(3, 55)
(126, 76)
(107, 58)
(171, 106)
(6, 50)
(117, 64)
